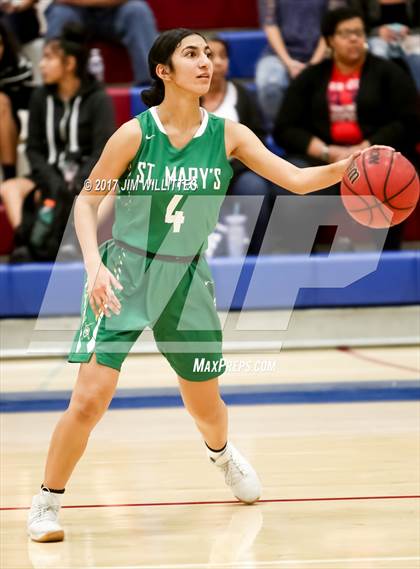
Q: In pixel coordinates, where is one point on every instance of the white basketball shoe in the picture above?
(43, 522)
(239, 474)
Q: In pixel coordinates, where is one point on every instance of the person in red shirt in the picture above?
(348, 102)
(347, 44)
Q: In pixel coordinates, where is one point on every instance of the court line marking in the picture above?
(356, 354)
(219, 502)
(165, 397)
(271, 563)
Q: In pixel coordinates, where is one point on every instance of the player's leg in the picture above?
(192, 344)
(91, 397)
(203, 402)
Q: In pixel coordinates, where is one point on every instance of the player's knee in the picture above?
(209, 413)
(87, 408)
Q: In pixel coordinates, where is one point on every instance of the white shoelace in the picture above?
(44, 511)
(233, 470)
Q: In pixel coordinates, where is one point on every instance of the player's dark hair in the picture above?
(161, 52)
(334, 17)
(73, 41)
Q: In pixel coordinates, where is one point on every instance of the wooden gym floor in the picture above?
(341, 479)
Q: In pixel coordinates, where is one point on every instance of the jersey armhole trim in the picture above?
(224, 143)
(139, 149)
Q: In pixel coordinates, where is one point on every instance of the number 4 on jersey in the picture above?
(176, 218)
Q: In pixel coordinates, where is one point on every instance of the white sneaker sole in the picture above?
(48, 537)
(248, 501)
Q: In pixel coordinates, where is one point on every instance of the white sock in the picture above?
(214, 455)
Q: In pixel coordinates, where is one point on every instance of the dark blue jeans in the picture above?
(132, 23)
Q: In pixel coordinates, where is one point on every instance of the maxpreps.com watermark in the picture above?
(204, 365)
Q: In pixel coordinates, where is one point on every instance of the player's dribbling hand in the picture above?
(358, 152)
(101, 293)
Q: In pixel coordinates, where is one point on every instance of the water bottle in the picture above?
(43, 222)
(236, 234)
(214, 240)
(96, 64)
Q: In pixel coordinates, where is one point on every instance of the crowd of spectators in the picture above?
(337, 75)
(70, 120)
(346, 103)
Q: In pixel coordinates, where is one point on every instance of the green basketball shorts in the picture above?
(175, 299)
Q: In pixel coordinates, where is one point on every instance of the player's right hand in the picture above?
(102, 298)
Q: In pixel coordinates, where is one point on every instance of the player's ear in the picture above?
(162, 71)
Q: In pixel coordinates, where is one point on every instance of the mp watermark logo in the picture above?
(273, 280)
(237, 365)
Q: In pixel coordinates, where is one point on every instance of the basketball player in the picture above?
(173, 171)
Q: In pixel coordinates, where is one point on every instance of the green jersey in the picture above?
(169, 199)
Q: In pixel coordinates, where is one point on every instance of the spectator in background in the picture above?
(128, 21)
(348, 102)
(21, 17)
(394, 30)
(70, 120)
(15, 90)
(230, 100)
(294, 40)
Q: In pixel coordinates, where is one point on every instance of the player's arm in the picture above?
(241, 143)
(113, 162)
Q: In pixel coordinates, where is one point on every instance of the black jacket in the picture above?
(386, 107)
(249, 114)
(248, 110)
(60, 133)
(16, 81)
(371, 12)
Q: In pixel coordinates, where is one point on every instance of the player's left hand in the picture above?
(360, 151)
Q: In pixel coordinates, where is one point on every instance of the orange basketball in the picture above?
(380, 188)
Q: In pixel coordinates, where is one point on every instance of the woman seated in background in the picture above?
(394, 30)
(348, 102)
(230, 100)
(70, 119)
(15, 90)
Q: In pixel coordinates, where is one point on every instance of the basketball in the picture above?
(380, 188)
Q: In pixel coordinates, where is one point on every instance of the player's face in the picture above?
(192, 67)
(348, 41)
(220, 60)
(53, 64)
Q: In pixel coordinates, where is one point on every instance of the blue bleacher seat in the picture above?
(245, 49)
(394, 281)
